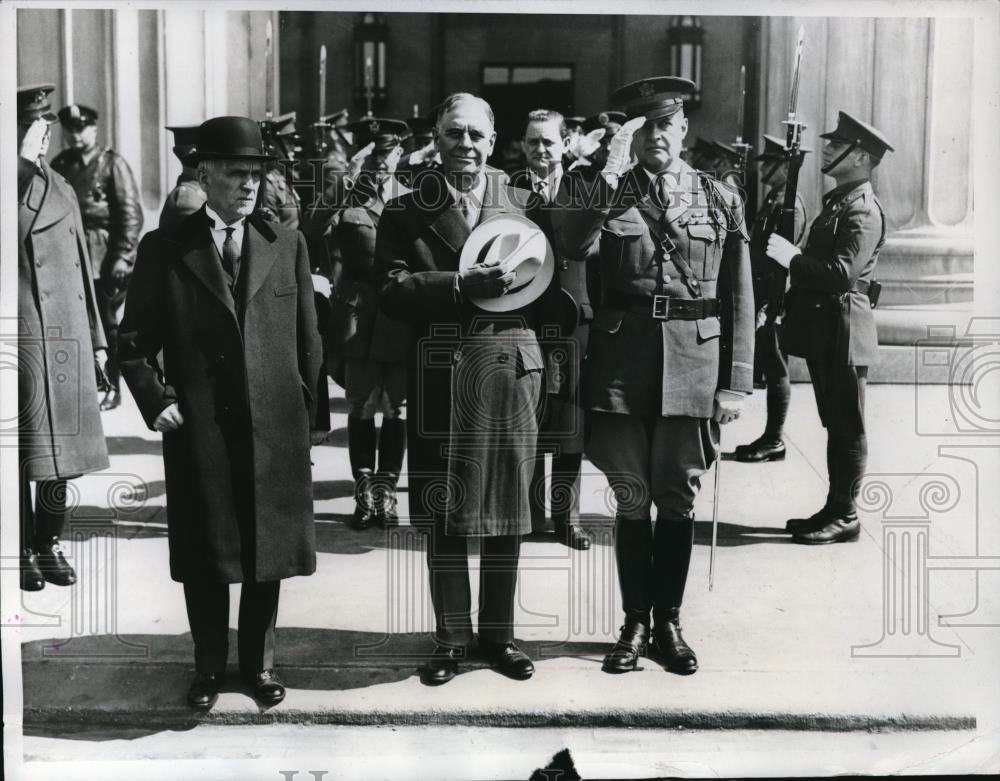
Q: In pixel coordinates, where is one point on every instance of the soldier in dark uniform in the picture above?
(702, 155)
(278, 200)
(424, 155)
(670, 354)
(187, 196)
(112, 217)
(373, 348)
(829, 319)
(561, 432)
(770, 360)
(608, 121)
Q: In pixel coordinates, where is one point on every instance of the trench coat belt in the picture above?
(663, 307)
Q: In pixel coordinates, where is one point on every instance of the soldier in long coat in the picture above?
(373, 347)
(829, 319)
(228, 298)
(60, 335)
(670, 355)
(475, 377)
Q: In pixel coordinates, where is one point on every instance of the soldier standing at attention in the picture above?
(770, 361)
(112, 218)
(829, 319)
(187, 196)
(670, 355)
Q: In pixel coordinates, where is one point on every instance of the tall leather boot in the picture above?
(391, 447)
(673, 541)
(50, 516)
(840, 523)
(633, 543)
(361, 451)
(31, 576)
(565, 495)
(536, 495)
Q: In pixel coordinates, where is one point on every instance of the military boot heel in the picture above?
(677, 655)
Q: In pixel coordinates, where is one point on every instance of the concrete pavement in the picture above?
(830, 638)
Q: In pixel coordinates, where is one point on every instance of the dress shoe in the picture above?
(817, 519)
(675, 652)
(364, 509)
(572, 535)
(267, 688)
(53, 565)
(204, 690)
(111, 400)
(508, 659)
(385, 501)
(442, 665)
(842, 529)
(624, 655)
(31, 576)
(760, 450)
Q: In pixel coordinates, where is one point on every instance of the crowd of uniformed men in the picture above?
(389, 256)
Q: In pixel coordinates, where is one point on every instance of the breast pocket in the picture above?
(621, 245)
(703, 238)
(286, 290)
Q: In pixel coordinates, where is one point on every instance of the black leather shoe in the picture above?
(508, 659)
(385, 501)
(204, 690)
(675, 652)
(624, 655)
(364, 509)
(760, 450)
(266, 687)
(572, 535)
(834, 530)
(111, 400)
(53, 564)
(31, 576)
(442, 665)
(814, 521)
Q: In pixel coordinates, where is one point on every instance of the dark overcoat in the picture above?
(476, 378)
(826, 314)
(244, 373)
(641, 366)
(58, 327)
(362, 330)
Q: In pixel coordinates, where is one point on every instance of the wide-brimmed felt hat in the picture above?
(518, 244)
(229, 138)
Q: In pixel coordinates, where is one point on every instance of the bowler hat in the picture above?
(519, 245)
(229, 138)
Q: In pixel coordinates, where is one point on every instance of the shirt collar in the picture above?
(843, 189)
(478, 192)
(218, 223)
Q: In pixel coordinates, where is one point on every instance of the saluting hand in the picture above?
(358, 160)
(31, 144)
(170, 419)
(620, 148)
(781, 250)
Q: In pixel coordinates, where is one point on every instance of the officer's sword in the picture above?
(715, 514)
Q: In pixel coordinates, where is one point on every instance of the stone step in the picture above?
(931, 290)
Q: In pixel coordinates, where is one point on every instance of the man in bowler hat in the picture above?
(228, 299)
(829, 319)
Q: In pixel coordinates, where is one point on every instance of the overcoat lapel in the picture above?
(445, 220)
(202, 259)
(258, 254)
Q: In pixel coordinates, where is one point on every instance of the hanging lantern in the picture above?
(684, 41)
(371, 34)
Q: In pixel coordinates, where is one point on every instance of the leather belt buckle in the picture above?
(661, 307)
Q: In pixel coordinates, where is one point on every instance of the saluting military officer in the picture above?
(187, 196)
(373, 347)
(770, 360)
(829, 319)
(670, 355)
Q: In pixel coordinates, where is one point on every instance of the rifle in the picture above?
(320, 127)
(742, 148)
(793, 156)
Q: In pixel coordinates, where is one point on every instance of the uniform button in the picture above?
(72, 230)
(458, 355)
(38, 264)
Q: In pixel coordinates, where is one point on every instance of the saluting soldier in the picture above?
(187, 196)
(373, 348)
(112, 217)
(670, 355)
(829, 319)
(770, 360)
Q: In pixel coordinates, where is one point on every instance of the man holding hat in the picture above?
(60, 348)
(112, 216)
(458, 259)
(228, 299)
(372, 347)
(670, 355)
(770, 360)
(829, 319)
(187, 195)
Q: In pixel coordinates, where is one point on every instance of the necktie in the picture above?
(467, 211)
(231, 256)
(542, 188)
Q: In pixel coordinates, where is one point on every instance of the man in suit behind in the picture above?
(486, 366)
(228, 299)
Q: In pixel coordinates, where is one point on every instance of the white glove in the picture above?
(584, 145)
(321, 285)
(781, 250)
(170, 419)
(420, 155)
(31, 144)
(620, 148)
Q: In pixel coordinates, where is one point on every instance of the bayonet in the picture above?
(322, 80)
(268, 76)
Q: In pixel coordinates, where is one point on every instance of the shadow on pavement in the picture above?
(133, 446)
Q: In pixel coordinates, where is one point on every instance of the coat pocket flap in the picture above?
(608, 320)
(702, 230)
(708, 328)
(530, 357)
(355, 217)
(286, 290)
(619, 227)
